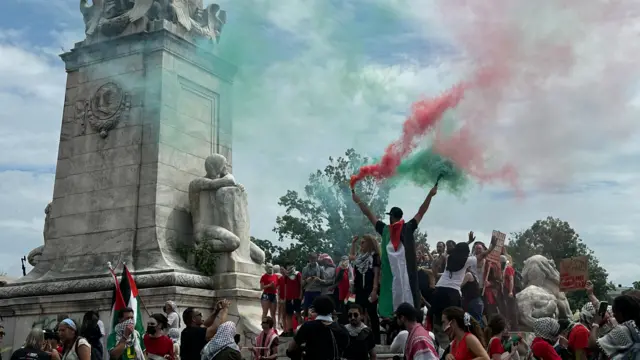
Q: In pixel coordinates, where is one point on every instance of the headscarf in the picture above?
(546, 328)
(222, 340)
(70, 323)
(134, 338)
(588, 313)
(327, 258)
(619, 339)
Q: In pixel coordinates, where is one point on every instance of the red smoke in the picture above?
(424, 115)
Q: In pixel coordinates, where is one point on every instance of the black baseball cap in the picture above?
(396, 212)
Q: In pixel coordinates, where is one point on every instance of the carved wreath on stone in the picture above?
(107, 107)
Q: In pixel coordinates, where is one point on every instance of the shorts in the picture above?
(269, 297)
(309, 296)
(293, 306)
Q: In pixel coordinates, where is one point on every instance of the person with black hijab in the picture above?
(448, 288)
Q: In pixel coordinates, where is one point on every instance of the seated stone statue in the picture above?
(541, 296)
(219, 211)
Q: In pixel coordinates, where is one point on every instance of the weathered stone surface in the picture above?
(220, 215)
(541, 296)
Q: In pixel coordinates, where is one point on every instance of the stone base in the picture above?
(20, 315)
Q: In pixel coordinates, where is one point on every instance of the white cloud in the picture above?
(322, 100)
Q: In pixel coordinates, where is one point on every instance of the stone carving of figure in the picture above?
(35, 254)
(541, 296)
(219, 211)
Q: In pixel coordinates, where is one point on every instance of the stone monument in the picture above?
(541, 296)
(147, 103)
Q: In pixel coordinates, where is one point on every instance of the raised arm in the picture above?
(364, 208)
(485, 253)
(352, 252)
(425, 204)
(213, 328)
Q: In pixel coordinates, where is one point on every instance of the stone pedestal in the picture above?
(142, 111)
(20, 315)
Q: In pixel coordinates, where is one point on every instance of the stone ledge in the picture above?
(144, 279)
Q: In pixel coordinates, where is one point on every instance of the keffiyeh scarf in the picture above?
(134, 339)
(546, 328)
(364, 262)
(222, 340)
(620, 339)
(588, 313)
(355, 330)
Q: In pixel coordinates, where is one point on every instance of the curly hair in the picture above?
(454, 313)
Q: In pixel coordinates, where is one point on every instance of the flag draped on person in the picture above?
(394, 275)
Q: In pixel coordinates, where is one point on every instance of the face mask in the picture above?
(151, 330)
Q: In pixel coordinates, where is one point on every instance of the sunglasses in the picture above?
(353, 315)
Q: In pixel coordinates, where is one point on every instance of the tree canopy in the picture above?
(557, 240)
(324, 218)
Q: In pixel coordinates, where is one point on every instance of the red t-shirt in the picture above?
(292, 287)
(542, 350)
(280, 286)
(459, 349)
(579, 339)
(509, 273)
(269, 279)
(160, 346)
(495, 347)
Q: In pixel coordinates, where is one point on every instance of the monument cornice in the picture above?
(84, 54)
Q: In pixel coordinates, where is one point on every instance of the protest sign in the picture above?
(494, 256)
(574, 273)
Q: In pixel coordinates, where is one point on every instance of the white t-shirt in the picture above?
(174, 320)
(71, 354)
(453, 280)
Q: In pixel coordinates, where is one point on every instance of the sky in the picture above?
(347, 73)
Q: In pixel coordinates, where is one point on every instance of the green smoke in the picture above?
(425, 166)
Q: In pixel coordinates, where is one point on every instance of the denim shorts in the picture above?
(269, 297)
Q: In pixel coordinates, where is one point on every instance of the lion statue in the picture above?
(541, 296)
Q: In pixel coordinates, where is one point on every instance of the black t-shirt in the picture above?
(409, 242)
(365, 287)
(319, 345)
(192, 341)
(30, 354)
(360, 346)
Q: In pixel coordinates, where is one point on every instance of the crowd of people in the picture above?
(450, 304)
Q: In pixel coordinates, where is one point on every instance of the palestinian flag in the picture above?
(125, 295)
(395, 287)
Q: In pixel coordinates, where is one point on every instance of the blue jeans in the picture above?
(475, 308)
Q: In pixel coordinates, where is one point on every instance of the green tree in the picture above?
(271, 250)
(324, 218)
(557, 240)
(636, 285)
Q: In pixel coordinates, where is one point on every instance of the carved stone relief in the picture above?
(105, 109)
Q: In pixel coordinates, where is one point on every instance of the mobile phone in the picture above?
(602, 310)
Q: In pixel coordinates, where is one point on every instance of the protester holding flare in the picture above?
(399, 253)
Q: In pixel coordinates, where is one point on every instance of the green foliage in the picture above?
(270, 249)
(324, 218)
(636, 285)
(204, 256)
(557, 240)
